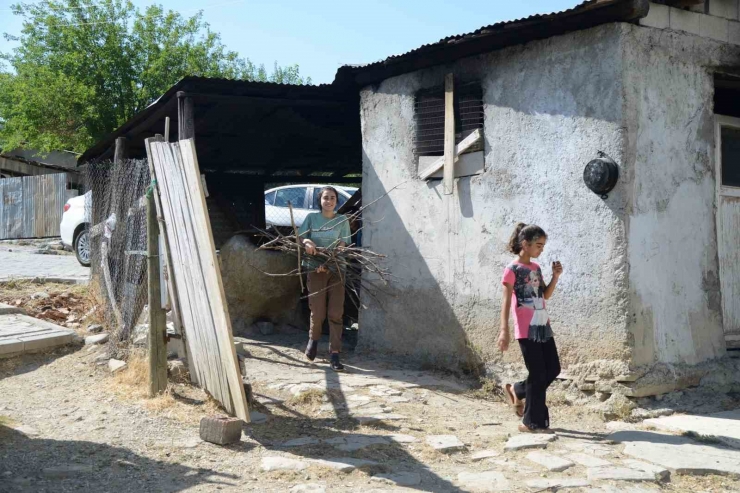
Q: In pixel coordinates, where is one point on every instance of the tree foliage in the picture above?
(84, 67)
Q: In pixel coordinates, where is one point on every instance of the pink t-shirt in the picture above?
(528, 300)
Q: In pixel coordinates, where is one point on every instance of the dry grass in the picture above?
(489, 390)
(181, 402)
(308, 398)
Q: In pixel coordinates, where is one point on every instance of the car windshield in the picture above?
(296, 196)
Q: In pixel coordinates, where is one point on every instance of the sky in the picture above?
(322, 35)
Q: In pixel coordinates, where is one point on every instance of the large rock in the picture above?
(250, 293)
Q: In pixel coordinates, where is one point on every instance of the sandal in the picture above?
(513, 401)
(542, 431)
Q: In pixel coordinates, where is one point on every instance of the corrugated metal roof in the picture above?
(480, 31)
(495, 36)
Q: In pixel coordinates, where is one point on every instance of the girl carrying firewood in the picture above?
(325, 230)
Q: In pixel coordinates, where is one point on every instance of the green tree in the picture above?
(83, 67)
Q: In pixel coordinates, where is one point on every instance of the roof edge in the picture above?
(590, 13)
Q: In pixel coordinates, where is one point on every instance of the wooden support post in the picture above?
(449, 167)
(173, 295)
(167, 129)
(157, 318)
(121, 151)
(185, 117)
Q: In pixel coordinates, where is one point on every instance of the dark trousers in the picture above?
(543, 365)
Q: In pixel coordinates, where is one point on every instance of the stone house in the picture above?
(652, 269)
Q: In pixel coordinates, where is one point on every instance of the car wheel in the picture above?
(82, 248)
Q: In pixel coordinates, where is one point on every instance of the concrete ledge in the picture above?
(9, 310)
(20, 334)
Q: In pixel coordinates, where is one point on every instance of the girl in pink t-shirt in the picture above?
(525, 289)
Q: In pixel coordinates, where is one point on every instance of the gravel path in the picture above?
(66, 425)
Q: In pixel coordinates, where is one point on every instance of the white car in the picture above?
(75, 225)
(303, 198)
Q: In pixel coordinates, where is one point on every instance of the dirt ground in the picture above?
(68, 305)
(68, 425)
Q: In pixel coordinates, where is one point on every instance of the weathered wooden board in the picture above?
(204, 314)
(429, 169)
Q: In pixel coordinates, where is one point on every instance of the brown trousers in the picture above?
(320, 287)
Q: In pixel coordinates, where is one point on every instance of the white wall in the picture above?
(549, 107)
(674, 280)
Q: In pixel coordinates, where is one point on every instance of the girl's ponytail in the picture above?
(522, 232)
(515, 244)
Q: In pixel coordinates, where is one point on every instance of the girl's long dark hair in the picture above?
(524, 232)
(325, 189)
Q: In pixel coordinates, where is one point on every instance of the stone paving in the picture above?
(23, 263)
(479, 454)
(20, 333)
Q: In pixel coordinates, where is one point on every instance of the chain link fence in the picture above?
(116, 209)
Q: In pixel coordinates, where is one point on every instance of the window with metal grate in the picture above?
(429, 114)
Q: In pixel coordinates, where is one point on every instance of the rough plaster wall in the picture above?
(549, 107)
(674, 282)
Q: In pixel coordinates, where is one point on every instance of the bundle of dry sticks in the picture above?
(347, 262)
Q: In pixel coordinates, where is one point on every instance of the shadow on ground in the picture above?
(323, 436)
(28, 362)
(33, 464)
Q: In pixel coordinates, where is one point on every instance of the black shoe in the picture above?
(335, 364)
(312, 349)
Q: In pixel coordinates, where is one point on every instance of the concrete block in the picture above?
(683, 20)
(714, 28)
(724, 8)
(45, 340)
(10, 309)
(706, 26)
(658, 17)
(221, 430)
(733, 33)
(10, 346)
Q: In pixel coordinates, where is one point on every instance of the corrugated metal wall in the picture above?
(32, 206)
